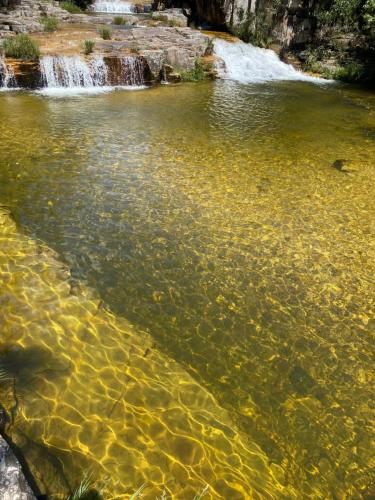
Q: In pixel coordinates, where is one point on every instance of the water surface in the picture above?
(238, 266)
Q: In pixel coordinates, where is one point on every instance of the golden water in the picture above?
(188, 298)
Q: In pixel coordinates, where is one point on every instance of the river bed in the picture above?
(188, 298)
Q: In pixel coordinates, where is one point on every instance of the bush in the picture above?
(82, 4)
(50, 24)
(119, 20)
(71, 7)
(197, 74)
(105, 33)
(351, 73)
(88, 46)
(21, 47)
(369, 14)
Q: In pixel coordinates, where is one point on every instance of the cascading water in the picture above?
(72, 74)
(7, 78)
(112, 7)
(248, 64)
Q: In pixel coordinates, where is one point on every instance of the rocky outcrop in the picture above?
(13, 484)
(295, 29)
(136, 56)
(24, 16)
(174, 17)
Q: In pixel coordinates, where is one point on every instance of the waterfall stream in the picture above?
(72, 74)
(248, 64)
(7, 79)
(112, 7)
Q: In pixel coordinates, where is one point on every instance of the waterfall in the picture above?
(248, 64)
(7, 78)
(72, 74)
(112, 7)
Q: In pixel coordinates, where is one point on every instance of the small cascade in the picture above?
(7, 78)
(75, 73)
(248, 64)
(112, 7)
(133, 70)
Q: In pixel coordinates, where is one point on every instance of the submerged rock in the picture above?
(13, 484)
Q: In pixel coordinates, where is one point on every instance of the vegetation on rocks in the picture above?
(197, 74)
(21, 47)
(119, 21)
(50, 24)
(71, 7)
(88, 47)
(105, 33)
(81, 4)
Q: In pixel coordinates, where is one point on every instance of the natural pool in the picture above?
(188, 298)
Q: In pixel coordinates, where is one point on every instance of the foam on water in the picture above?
(84, 91)
(248, 64)
(113, 7)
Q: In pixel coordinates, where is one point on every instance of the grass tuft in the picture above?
(138, 493)
(105, 33)
(119, 21)
(88, 47)
(201, 493)
(82, 489)
(50, 24)
(21, 47)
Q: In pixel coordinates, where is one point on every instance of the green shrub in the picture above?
(88, 47)
(71, 7)
(21, 47)
(351, 73)
(119, 21)
(50, 24)
(197, 74)
(105, 33)
(369, 14)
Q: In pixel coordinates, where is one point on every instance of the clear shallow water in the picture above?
(210, 218)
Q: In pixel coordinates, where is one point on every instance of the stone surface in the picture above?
(26, 14)
(175, 17)
(13, 484)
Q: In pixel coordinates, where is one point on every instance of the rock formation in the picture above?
(21, 16)
(13, 485)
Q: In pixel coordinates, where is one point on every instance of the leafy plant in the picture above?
(71, 7)
(21, 47)
(119, 21)
(88, 47)
(105, 33)
(50, 24)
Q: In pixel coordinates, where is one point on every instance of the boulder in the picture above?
(13, 484)
(174, 17)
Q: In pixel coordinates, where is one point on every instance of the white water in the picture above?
(63, 75)
(112, 7)
(7, 79)
(248, 64)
